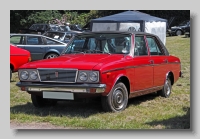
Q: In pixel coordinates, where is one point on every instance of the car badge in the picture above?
(56, 74)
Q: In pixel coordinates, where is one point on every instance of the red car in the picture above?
(115, 66)
(18, 57)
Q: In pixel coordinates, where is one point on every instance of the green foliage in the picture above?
(42, 17)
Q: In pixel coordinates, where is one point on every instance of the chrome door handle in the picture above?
(165, 60)
(151, 61)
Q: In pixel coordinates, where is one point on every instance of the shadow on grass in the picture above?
(72, 108)
(178, 122)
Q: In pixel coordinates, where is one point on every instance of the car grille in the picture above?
(58, 75)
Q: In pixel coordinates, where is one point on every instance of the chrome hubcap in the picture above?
(118, 98)
(51, 56)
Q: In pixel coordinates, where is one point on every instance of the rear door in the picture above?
(36, 46)
(143, 65)
(160, 61)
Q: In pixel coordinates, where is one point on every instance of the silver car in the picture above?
(40, 47)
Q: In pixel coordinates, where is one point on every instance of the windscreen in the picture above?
(99, 43)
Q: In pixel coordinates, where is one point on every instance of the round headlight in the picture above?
(93, 76)
(33, 75)
(24, 75)
(83, 76)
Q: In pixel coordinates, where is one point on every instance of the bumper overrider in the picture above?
(71, 88)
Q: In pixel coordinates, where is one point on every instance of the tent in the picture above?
(131, 21)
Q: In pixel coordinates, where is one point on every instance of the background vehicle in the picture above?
(40, 47)
(40, 28)
(114, 66)
(181, 28)
(61, 35)
(18, 57)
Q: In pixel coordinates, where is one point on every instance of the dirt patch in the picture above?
(33, 125)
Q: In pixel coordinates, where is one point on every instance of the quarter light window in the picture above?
(153, 46)
(17, 39)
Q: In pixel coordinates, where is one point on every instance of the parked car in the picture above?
(40, 28)
(18, 57)
(61, 35)
(181, 28)
(115, 66)
(40, 47)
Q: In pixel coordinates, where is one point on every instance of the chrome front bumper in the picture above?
(73, 88)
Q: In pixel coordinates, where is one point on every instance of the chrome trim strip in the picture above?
(74, 90)
(128, 67)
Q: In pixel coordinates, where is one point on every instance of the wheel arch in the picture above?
(12, 66)
(124, 80)
(171, 77)
(49, 52)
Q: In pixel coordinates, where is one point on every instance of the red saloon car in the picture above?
(115, 66)
(18, 57)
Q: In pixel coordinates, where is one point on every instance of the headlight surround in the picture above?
(88, 76)
(33, 75)
(28, 74)
(24, 75)
(83, 76)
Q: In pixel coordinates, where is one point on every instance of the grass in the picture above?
(145, 112)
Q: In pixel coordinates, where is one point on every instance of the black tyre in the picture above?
(51, 55)
(10, 74)
(37, 101)
(178, 32)
(167, 88)
(117, 99)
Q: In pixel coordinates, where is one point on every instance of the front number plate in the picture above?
(58, 95)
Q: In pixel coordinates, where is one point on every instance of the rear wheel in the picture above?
(167, 88)
(117, 99)
(51, 55)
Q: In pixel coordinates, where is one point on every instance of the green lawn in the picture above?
(146, 112)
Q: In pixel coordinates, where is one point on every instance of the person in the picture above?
(67, 27)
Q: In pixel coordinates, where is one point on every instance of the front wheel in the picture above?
(167, 88)
(117, 99)
(51, 55)
(178, 32)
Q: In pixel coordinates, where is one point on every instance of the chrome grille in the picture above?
(57, 75)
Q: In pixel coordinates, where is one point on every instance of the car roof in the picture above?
(16, 34)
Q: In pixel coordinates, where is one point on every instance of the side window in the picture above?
(52, 42)
(153, 46)
(17, 39)
(140, 48)
(34, 40)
